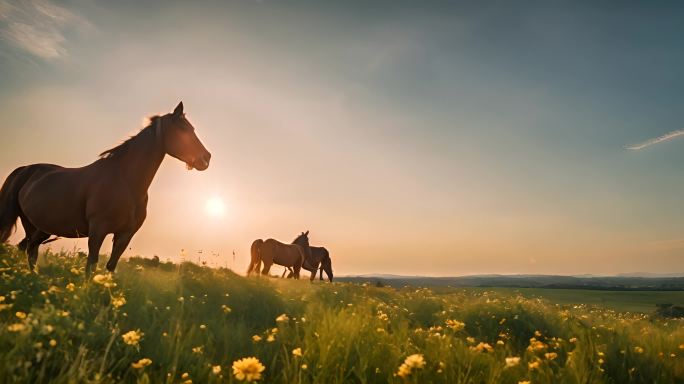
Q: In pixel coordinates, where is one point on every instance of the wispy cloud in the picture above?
(38, 26)
(659, 139)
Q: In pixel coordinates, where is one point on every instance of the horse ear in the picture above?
(179, 109)
(307, 233)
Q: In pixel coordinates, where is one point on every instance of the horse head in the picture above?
(302, 240)
(181, 141)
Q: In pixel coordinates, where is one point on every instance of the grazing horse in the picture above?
(107, 196)
(319, 256)
(272, 251)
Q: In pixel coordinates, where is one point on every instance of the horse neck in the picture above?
(141, 162)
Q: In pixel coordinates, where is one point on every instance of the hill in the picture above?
(169, 323)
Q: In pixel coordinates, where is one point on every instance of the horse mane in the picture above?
(123, 147)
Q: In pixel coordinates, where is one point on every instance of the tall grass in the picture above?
(196, 321)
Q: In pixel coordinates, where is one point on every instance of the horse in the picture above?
(108, 196)
(272, 251)
(319, 256)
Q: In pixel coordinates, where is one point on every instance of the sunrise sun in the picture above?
(215, 207)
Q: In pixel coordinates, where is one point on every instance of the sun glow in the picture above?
(215, 207)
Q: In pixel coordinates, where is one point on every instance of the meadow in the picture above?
(184, 323)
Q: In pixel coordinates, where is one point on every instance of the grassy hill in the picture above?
(193, 323)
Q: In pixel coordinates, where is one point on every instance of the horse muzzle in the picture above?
(201, 163)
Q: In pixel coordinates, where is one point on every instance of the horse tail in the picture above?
(255, 262)
(9, 202)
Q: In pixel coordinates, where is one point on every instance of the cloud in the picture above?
(38, 27)
(659, 139)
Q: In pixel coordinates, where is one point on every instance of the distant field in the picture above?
(623, 301)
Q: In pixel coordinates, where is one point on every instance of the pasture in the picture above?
(621, 301)
(171, 323)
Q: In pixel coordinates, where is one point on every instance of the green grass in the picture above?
(347, 333)
(622, 301)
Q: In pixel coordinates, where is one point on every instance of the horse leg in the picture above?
(121, 241)
(95, 240)
(32, 245)
(29, 229)
(267, 267)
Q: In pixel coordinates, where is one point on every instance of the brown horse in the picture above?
(107, 196)
(272, 251)
(320, 259)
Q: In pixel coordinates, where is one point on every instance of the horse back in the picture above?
(281, 253)
(59, 200)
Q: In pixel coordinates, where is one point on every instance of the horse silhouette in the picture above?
(272, 251)
(320, 259)
(107, 196)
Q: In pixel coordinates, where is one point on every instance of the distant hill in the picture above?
(625, 282)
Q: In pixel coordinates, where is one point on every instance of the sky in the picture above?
(409, 137)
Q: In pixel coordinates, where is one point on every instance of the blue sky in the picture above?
(478, 137)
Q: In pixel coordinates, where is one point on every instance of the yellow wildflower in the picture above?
(481, 347)
(297, 352)
(142, 363)
(118, 302)
(53, 343)
(105, 280)
(132, 337)
(216, 369)
(551, 355)
(75, 271)
(533, 365)
(226, 309)
(70, 287)
(20, 315)
(256, 338)
(282, 318)
(18, 327)
(248, 369)
(455, 325)
(415, 361)
(197, 349)
(512, 361)
(638, 350)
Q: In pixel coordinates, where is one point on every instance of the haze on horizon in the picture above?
(413, 138)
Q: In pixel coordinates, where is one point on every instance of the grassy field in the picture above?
(622, 301)
(185, 323)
